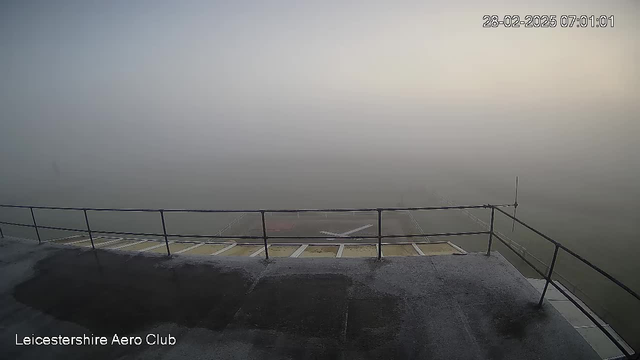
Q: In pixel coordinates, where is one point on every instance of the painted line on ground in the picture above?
(75, 242)
(259, 251)
(416, 248)
(154, 247)
(340, 250)
(223, 250)
(189, 248)
(462, 252)
(108, 242)
(299, 251)
(64, 238)
(134, 243)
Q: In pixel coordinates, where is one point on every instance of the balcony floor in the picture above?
(429, 307)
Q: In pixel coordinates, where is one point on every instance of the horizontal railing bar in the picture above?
(214, 236)
(252, 237)
(61, 228)
(16, 224)
(260, 210)
(438, 234)
(125, 233)
(571, 252)
(519, 255)
(529, 227)
(584, 311)
(175, 235)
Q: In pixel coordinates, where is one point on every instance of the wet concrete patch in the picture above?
(372, 322)
(509, 328)
(298, 304)
(109, 294)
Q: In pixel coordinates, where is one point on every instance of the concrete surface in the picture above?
(422, 307)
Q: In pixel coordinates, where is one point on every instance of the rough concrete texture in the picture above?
(440, 307)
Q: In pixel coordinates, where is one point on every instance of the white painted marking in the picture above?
(345, 234)
(225, 249)
(417, 249)
(189, 248)
(65, 238)
(340, 250)
(462, 252)
(358, 229)
(154, 246)
(299, 251)
(75, 242)
(108, 242)
(125, 245)
(259, 251)
(329, 233)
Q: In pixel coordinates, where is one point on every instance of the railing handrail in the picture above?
(571, 252)
(549, 280)
(258, 210)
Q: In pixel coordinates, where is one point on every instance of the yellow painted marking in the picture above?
(140, 246)
(67, 241)
(282, 250)
(174, 247)
(96, 242)
(437, 249)
(81, 243)
(399, 250)
(241, 250)
(206, 249)
(360, 251)
(119, 243)
(320, 251)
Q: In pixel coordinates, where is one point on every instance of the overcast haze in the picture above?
(184, 101)
(103, 86)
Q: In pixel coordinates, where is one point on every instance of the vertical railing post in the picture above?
(164, 229)
(553, 263)
(264, 236)
(86, 219)
(1, 233)
(35, 225)
(379, 234)
(493, 211)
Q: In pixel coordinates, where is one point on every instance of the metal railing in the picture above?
(549, 274)
(265, 236)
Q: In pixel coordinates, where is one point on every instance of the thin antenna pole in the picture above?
(515, 207)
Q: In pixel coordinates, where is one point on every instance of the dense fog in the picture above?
(290, 104)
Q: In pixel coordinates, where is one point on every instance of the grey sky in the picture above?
(104, 83)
